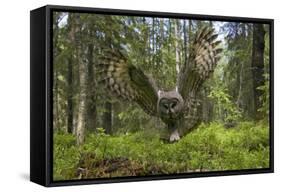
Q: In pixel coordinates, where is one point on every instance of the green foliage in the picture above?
(265, 97)
(208, 148)
(225, 104)
(66, 156)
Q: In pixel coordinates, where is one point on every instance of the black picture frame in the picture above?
(41, 94)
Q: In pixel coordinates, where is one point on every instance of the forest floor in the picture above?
(210, 147)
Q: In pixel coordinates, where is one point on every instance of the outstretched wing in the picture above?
(203, 57)
(125, 81)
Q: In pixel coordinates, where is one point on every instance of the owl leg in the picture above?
(174, 136)
(174, 133)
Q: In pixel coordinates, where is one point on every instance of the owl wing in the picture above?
(125, 81)
(203, 57)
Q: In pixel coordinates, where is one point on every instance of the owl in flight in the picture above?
(178, 108)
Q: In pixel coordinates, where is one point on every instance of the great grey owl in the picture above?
(177, 108)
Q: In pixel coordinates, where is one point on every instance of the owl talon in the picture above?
(174, 136)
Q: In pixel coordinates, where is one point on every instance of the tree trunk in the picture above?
(258, 65)
(189, 35)
(177, 48)
(69, 97)
(240, 72)
(239, 102)
(107, 117)
(153, 42)
(91, 96)
(80, 130)
(169, 34)
(56, 125)
(69, 111)
(207, 106)
(185, 42)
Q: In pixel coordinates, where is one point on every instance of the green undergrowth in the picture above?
(210, 147)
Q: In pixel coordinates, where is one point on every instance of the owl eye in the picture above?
(166, 106)
(173, 105)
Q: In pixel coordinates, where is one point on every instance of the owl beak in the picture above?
(171, 113)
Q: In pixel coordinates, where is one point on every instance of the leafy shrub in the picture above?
(225, 104)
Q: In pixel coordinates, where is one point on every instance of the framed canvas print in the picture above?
(123, 95)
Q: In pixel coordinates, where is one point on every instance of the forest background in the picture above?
(97, 136)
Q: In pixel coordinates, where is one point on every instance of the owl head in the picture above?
(170, 104)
